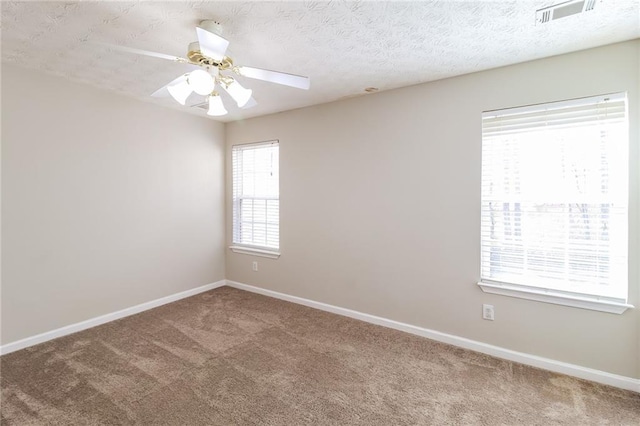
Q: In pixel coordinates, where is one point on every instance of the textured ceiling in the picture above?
(343, 46)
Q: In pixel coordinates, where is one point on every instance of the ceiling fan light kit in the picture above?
(201, 82)
(180, 91)
(216, 107)
(209, 53)
(238, 93)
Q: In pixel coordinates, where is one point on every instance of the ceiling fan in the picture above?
(212, 69)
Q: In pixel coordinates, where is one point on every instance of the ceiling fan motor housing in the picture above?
(195, 56)
(211, 26)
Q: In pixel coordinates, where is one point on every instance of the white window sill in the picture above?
(255, 252)
(549, 296)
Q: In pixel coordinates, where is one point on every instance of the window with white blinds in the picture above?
(256, 195)
(555, 190)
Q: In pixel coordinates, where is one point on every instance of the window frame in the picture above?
(244, 248)
(560, 297)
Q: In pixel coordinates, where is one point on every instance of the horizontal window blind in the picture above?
(554, 211)
(256, 195)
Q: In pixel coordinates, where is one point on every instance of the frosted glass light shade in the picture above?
(216, 108)
(180, 91)
(239, 93)
(201, 82)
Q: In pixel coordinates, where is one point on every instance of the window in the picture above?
(554, 213)
(256, 199)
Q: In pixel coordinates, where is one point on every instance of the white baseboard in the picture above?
(499, 352)
(598, 376)
(79, 326)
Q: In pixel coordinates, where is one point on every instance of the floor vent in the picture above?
(562, 10)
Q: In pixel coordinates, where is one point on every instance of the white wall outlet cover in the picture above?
(488, 312)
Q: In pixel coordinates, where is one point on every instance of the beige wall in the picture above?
(380, 199)
(107, 202)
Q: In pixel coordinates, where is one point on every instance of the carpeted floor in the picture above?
(229, 357)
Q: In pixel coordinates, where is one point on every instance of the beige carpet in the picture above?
(230, 357)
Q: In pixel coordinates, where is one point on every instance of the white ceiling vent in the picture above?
(564, 9)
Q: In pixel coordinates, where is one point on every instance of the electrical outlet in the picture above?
(254, 266)
(488, 312)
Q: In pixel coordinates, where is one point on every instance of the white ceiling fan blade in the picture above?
(250, 103)
(292, 80)
(212, 45)
(142, 52)
(194, 100)
(163, 92)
